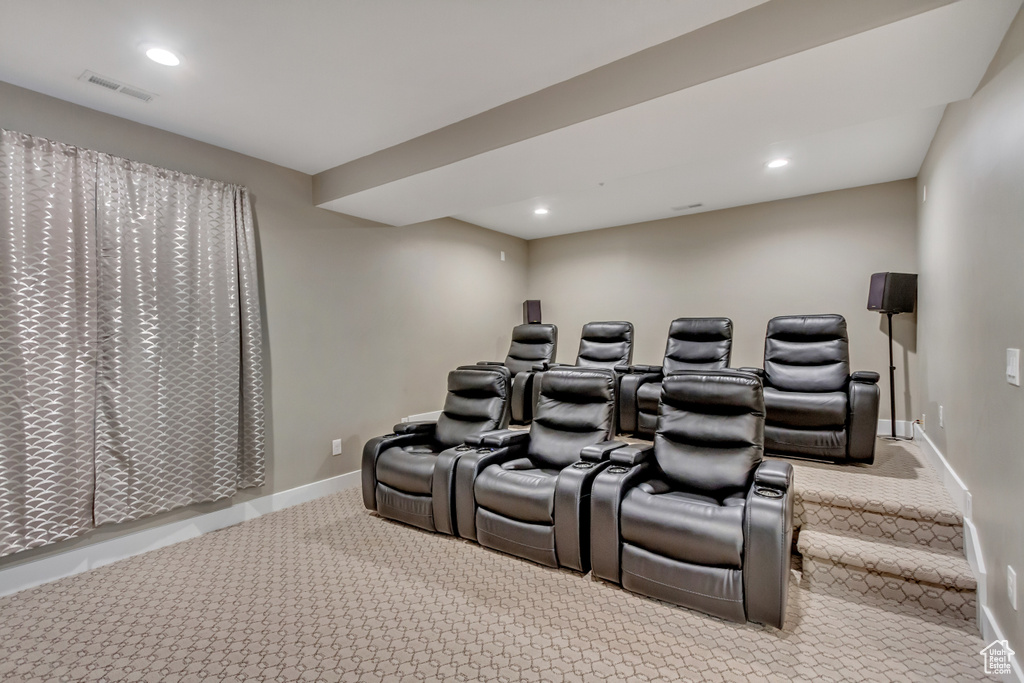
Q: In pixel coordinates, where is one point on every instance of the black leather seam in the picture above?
(405, 512)
(524, 545)
(712, 597)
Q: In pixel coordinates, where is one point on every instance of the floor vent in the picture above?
(115, 85)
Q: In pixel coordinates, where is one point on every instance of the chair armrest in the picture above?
(572, 513)
(862, 421)
(774, 474)
(866, 376)
(632, 454)
(469, 466)
(415, 427)
(759, 372)
(768, 541)
(373, 448)
(442, 488)
(547, 365)
(499, 438)
(606, 494)
(598, 452)
(490, 362)
(644, 369)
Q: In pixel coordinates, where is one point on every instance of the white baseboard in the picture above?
(958, 491)
(903, 428)
(956, 487)
(78, 560)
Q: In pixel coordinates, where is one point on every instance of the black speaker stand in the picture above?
(892, 392)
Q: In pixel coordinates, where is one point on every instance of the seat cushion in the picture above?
(518, 490)
(647, 397)
(684, 526)
(409, 469)
(805, 410)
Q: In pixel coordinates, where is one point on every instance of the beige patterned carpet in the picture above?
(326, 591)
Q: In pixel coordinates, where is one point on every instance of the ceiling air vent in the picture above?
(687, 207)
(112, 84)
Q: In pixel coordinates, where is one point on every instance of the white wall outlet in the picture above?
(942, 417)
(502, 256)
(924, 195)
(1011, 585)
(1013, 366)
(924, 422)
(336, 447)
(968, 505)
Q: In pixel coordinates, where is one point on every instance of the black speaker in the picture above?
(531, 311)
(892, 292)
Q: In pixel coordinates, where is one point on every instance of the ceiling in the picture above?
(606, 113)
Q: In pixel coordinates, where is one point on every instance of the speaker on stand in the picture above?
(892, 294)
(531, 311)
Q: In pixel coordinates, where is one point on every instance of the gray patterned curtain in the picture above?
(131, 341)
(178, 422)
(47, 341)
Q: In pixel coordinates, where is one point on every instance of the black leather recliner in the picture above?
(408, 475)
(529, 495)
(606, 344)
(531, 344)
(815, 407)
(698, 518)
(693, 344)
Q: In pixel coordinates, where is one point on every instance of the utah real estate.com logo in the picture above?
(997, 658)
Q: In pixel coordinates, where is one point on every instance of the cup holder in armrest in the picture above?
(463, 448)
(766, 492)
(485, 450)
(618, 469)
(582, 465)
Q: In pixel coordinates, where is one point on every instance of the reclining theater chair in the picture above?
(693, 344)
(407, 475)
(606, 345)
(531, 344)
(815, 407)
(698, 518)
(530, 496)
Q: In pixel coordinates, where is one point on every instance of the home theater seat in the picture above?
(693, 344)
(406, 476)
(529, 497)
(815, 407)
(607, 345)
(697, 518)
(532, 343)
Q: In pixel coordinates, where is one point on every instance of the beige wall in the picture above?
(363, 322)
(972, 309)
(811, 254)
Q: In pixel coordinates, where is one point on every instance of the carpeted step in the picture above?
(901, 576)
(936, 534)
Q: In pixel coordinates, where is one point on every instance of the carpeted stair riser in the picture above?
(888, 574)
(928, 533)
(895, 594)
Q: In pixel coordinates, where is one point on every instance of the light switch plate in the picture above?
(336, 447)
(1013, 366)
(942, 417)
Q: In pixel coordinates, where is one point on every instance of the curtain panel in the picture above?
(176, 422)
(47, 341)
(131, 377)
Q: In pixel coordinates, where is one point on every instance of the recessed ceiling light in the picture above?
(540, 212)
(777, 163)
(162, 56)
